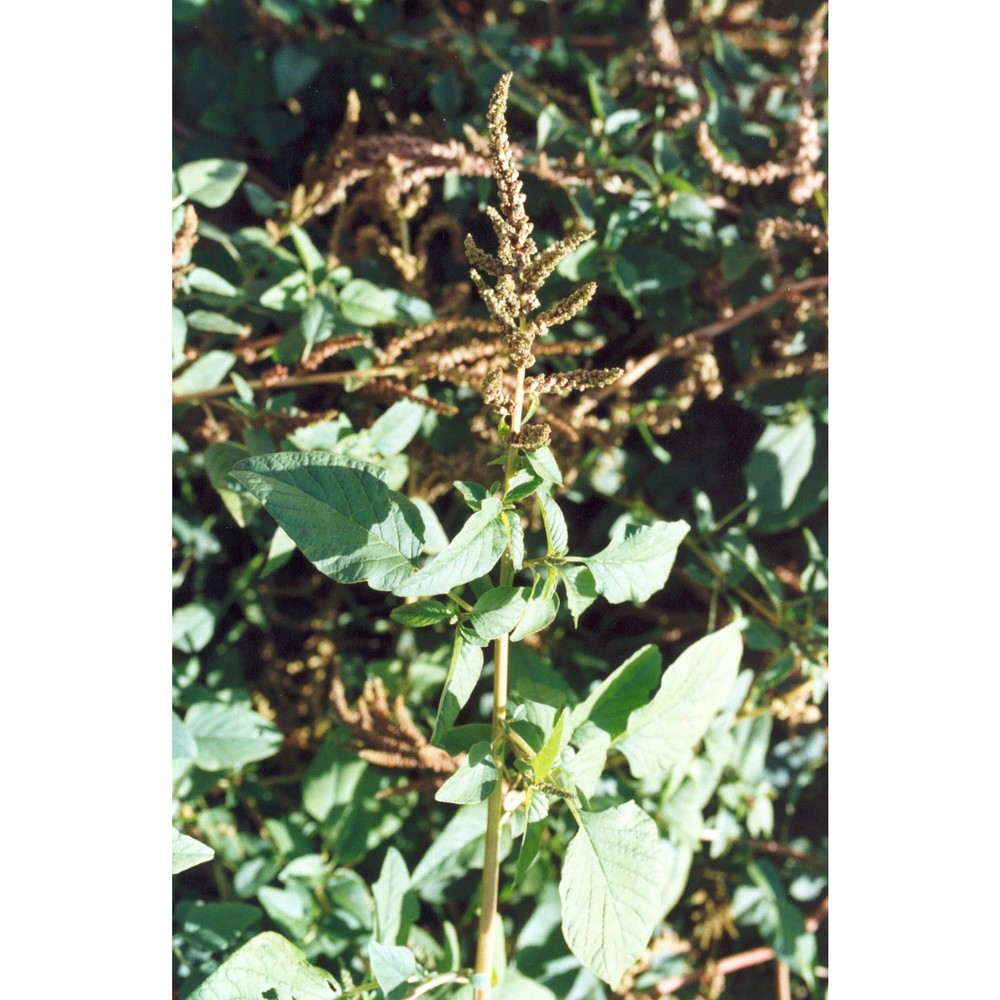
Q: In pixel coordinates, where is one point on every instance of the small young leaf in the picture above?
(556, 531)
(543, 464)
(420, 613)
(544, 760)
(187, 852)
(472, 493)
(539, 613)
(267, 965)
(473, 781)
(473, 552)
(612, 889)
(636, 567)
(522, 485)
(581, 590)
(692, 691)
(340, 513)
(497, 611)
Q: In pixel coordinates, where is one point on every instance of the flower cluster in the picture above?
(519, 270)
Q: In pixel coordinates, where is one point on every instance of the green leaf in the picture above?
(522, 485)
(446, 94)
(543, 464)
(472, 493)
(473, 781)
(584, 766)
(219, 460)
(543, 762)
(497, 611)
(636, 567)
(211, 182)
(780, 461)
(611, 889)
(540, 611)
(331, 780)
(201, 279)
(230, 736)
(293, 69)
(463, 674)
(184, 749)
(205, 372)
(193, 626)
(460, 846)
(556, 532)
(340, 513)
(187, 852)
(692, 691)
(396, 906)
(420, 613)
(581, 590)
(366, 304)
(395, 429)
(289, 294)
(213, 322)
(392, 967)
(472, 553)
(267, 964)
(609, 704)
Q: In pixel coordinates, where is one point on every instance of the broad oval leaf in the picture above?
(229, 737)
(268, 964)
(692, 691)
(473, 552)
(340, 513)
(612, 889)
(636, 567)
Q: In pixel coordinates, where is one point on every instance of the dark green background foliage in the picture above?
(727, 432)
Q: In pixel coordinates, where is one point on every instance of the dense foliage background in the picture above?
(327, 168)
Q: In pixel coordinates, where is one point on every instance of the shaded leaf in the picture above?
(692, 691)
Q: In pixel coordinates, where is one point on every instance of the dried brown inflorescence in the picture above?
(519, 269)
(798, 164)
(385, 734)
(184, 241)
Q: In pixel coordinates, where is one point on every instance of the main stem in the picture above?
(494, 810)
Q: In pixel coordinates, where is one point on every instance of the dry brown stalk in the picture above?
(331, 347)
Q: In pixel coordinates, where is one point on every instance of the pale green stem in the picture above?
(494, 812)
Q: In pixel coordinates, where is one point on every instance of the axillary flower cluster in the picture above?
(520, 269)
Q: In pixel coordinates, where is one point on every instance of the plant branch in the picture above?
(322, 378)
(666, 349)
